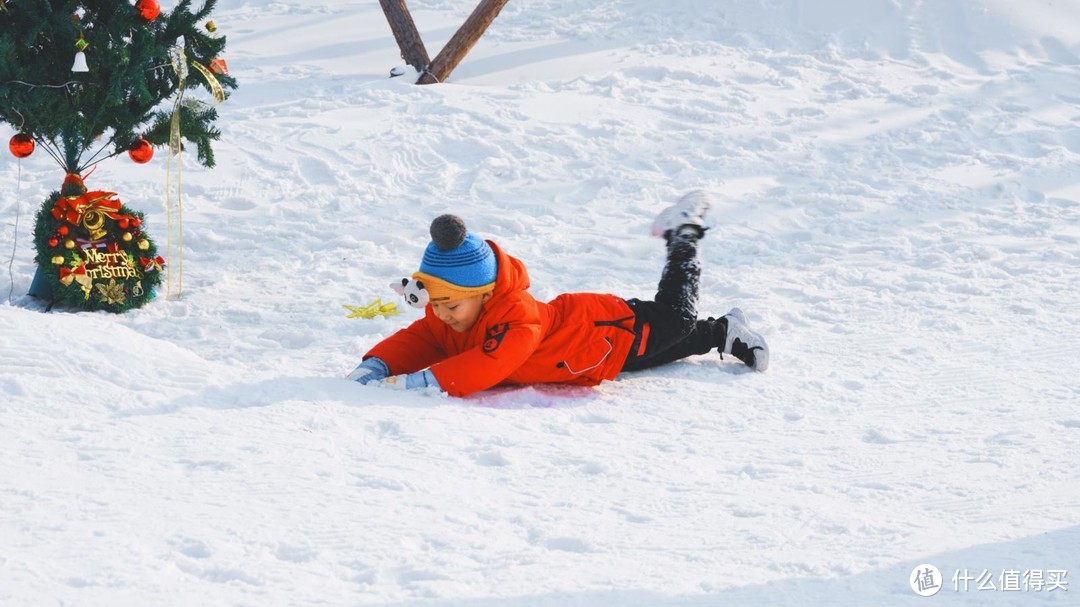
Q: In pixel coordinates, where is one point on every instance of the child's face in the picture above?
(461, 315)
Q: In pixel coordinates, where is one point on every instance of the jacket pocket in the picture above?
(588, 358)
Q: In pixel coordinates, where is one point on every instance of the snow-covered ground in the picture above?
(899, 187)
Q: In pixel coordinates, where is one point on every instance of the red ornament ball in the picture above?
(141, 151)
(148, 9)
(21, 145)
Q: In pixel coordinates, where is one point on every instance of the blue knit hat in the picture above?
(456, 264)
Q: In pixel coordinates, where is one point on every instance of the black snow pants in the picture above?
(667, 329)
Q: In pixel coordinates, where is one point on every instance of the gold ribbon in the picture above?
(180, 64)
(215, 87)
(173, 188)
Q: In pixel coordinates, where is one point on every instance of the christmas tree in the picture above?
(85, 81)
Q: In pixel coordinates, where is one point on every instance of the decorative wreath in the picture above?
(93, 252)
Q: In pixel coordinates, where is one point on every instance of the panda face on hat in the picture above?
(413, 291)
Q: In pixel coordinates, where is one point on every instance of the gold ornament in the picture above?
(112, 293)
(127, 237)
(58, 260)
(69, 244)
(137, 290)
(94, 221)
(143, 244)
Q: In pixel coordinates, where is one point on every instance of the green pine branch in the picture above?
(131, 87)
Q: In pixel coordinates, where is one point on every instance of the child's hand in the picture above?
(413, 381)
(371, 369)
(395, 382)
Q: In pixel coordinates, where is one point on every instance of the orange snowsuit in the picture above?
(577, 338)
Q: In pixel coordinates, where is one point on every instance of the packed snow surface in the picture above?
(898, 187)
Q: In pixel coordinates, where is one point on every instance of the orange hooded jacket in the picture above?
(577, 338)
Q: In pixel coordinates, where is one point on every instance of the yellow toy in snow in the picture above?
(373, 309)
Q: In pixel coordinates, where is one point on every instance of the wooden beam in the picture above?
(462, 42)
(408, 38)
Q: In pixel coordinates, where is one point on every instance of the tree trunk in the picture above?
(408, 39)
(463, 41)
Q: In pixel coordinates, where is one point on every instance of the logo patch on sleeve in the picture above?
(493, 338)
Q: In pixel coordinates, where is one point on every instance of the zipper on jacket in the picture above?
(618, 324)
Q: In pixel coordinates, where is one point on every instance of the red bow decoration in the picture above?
(89, 211)
(152, 265)
(72, 208)
(67, 276)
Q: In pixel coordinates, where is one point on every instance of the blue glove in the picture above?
(412, 381)
(372, 369)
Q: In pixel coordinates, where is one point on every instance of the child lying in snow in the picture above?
(481, 328)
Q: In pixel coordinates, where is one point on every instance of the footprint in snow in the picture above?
(193, 548)
(492, 459)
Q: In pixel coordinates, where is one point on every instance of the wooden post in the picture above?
(408, 39)
(462, 42)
